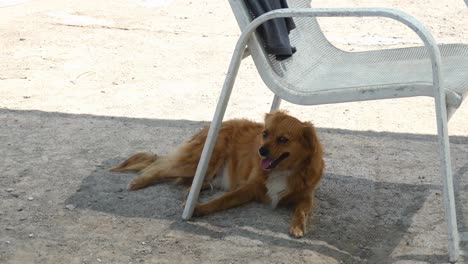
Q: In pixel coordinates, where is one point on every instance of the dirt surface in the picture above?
(86, 83)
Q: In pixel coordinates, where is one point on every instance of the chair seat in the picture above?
(375, 74)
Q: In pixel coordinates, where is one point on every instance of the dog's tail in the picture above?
(136, 162)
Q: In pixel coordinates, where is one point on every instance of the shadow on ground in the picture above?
(356, 215)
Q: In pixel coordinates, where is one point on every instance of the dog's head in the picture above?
(286, 142)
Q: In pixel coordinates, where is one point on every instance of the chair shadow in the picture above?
(356, 218)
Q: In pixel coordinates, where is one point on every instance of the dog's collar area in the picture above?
(269, 164)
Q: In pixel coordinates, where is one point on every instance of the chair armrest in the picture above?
(394, 14)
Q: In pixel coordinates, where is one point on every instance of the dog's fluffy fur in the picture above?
(279, 162)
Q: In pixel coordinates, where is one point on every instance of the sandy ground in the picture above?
(86, 83)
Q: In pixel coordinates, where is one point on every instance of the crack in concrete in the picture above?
(95, 26)
(175, 32)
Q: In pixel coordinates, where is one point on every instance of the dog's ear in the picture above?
(309, 136)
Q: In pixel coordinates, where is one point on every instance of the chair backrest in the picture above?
(308, 39)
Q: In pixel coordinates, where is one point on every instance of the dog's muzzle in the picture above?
(269, 164)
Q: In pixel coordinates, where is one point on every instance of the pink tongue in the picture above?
(265, 163)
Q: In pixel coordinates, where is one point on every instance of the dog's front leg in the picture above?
(300, 216)
(244, 194)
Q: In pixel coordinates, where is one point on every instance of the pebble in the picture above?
(99, 260)
(8, 228)
(70, 207)
(143, 243)
(31, 235)
(10, 190)
(8, 242)
(30, 198)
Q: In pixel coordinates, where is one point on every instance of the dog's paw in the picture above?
(296, 231)
(115, 169)
(136, 184)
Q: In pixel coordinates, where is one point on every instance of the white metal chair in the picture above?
(320, 73)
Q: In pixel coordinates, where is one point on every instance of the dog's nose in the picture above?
(263, 151)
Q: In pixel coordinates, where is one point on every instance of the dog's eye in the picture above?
(282, 140)
(264, 133)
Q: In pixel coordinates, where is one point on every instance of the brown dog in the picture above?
(276, 163)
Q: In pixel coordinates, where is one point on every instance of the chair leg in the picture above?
(213, 131)
(447, 179)
(206, 153)
(275, 104)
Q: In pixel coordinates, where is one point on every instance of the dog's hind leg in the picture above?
(136, 162)
(181, 163)
(168, 168)
(162, 169)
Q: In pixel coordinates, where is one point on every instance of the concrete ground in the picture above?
(86, 83)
